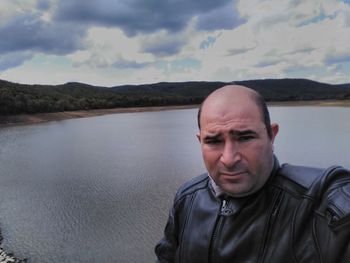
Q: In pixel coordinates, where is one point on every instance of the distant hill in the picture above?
(271, 89)
(20, 98)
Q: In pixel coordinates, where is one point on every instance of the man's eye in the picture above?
(246, 138)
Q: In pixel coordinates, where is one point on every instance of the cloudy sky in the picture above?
(114, 42)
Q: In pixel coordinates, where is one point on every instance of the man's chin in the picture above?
(237, 190)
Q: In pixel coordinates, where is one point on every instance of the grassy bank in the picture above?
(25, 119)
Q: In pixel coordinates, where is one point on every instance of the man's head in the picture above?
(260, 102)
(236, 139)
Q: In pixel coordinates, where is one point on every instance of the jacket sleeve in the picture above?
(167, 246)
(333, 230)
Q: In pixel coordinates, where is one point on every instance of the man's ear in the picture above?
(275, 129)
(198, 137)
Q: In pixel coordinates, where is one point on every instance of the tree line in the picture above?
(20, 98)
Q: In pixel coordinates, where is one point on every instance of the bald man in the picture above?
(248, 208)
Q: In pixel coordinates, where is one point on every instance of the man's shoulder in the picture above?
(301, 175)
(328, 189)
(191, 186)
(307, 177)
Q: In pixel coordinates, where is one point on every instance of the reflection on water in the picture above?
(98, 189)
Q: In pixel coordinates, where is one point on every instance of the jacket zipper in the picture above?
(217, 226)
(270, 223)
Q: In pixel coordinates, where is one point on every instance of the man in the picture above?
(250, 209)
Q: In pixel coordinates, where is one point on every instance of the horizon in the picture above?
(174, 82)
(108, 43)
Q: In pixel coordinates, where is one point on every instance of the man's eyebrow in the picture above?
(212, 136)
(236, 133)
(243, 133)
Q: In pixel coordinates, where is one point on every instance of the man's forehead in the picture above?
(232, 126)
(225, 114)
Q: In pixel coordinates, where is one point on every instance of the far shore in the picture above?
(26, 119)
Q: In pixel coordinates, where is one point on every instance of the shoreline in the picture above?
(28, 119)
(321, 103)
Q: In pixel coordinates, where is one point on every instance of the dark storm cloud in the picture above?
(225, 17)
(140, 16)
(13, 60)
(43, 5)
(30, 33)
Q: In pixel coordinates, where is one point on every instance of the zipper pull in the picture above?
(223, 205)
(225, 210)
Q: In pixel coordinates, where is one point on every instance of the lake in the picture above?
(99, 189)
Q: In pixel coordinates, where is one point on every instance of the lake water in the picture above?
(98, 189)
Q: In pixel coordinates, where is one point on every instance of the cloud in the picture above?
(237, 51)
(29, 32)
(302, 49)
(62, 27)
(266, 62)
(209, 41)
(139, 16)
(138, 41)
(129, 64)
(292, 58)
(10, 9)
(337, 57)
(12, 60)
(183, 65)
(224, 17)
(109, 47)
(43, 5)
(163, 44)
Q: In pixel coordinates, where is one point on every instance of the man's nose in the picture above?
(230, 154)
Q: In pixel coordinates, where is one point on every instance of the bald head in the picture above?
(236, 94)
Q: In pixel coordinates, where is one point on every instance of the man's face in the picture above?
(236, 148)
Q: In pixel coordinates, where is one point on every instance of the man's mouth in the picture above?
(233, 174)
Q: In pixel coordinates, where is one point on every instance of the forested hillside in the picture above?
(19, 98)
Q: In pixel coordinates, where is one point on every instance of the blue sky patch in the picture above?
(316, 19)
(207, 43)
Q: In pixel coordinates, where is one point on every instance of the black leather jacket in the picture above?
(300, 215)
